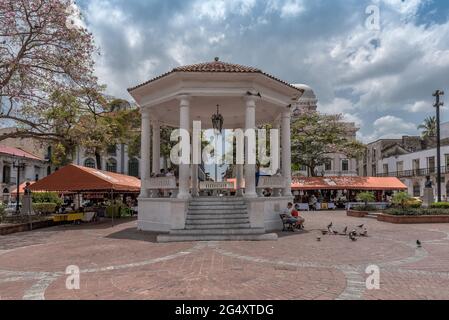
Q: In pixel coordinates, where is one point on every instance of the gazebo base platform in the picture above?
(212, 218)
(216, 237)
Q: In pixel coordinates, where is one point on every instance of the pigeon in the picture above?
(418, 243)
(345, 230)
(330, 225)
(364, 233)
(352, 235)
(360, 226)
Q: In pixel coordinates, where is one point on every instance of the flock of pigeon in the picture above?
(361, 231)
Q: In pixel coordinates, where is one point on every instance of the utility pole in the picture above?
(437, 105)
(17, 164)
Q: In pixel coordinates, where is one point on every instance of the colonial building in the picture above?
(338, 164)
(411, 159)
(15, 163)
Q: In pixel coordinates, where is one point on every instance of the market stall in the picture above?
(92, 184)
(321, 193)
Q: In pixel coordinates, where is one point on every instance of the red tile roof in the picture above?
(17, 152)
(215, 66)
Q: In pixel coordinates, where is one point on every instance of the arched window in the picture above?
(112, 150)
(111, 165)
(6, 174)
(133, 167)
(416, 190)
(89, 163)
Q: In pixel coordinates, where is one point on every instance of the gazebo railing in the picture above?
(161, 187)
(274, 183)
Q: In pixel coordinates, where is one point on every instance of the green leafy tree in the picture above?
(315, 137)
(366, 197)
(41, 52)
(401, 199)
(428, 127)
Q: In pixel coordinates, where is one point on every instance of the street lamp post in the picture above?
(437, 105)
(217, 124)
(18, 164)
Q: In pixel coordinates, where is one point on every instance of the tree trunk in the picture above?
(98, 160)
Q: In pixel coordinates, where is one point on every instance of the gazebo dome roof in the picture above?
(218, 67)
(309, 98)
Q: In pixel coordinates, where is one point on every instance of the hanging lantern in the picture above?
(217, 121)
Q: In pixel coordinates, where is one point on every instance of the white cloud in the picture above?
(419, 106)
(292, 8)
(337, 105)
(391, 124)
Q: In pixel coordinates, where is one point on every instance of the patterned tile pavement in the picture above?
(123, 263)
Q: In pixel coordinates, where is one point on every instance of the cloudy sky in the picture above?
(380, 77)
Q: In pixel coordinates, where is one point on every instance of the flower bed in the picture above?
(356, 213)
(406, 219)
(21, 227)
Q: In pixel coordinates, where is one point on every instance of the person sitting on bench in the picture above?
(290, 218)
(301, 220)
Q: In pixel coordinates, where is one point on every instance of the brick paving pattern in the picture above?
(123, 263)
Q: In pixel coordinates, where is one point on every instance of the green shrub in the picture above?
(2, 212)
(365, 208)
(45, 208)
(47, 197)
(416, 212)
(401, 199)
(440, 205)
(366, 197)
(414, 205)
(113, 210)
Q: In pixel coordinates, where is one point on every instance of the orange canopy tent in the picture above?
(348, 183)
(345, 183)
(73, 178)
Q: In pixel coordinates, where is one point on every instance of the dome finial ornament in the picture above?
(217, 59)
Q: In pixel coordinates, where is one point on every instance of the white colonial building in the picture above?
(32, 168)
(338, 164)
(413, 168)
(247, 97)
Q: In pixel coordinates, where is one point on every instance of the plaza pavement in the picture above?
(123, 263)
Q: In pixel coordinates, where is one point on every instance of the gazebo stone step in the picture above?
(215, 216)
(216, 221)
(225, 231)
(218, 226)
(217, 199)
(213, 206)
(217, 211)
(248, 237)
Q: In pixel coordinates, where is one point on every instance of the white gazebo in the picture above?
(248, 97)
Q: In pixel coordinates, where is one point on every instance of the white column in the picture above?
(156, 146)
(239, 178)
(195, 186)
(184, 169)
(145, 167)
(250, 169)
(286, 153)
